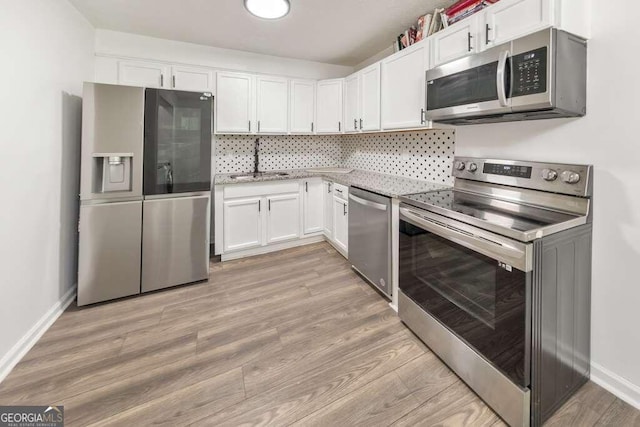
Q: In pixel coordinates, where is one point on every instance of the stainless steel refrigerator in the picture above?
(145, 190)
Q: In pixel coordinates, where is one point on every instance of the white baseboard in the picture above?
(17, 352)
(272, 248)
(615, 384)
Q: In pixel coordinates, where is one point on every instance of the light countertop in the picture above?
(387, 185)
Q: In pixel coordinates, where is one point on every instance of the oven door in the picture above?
(475, 283)
(471, 86)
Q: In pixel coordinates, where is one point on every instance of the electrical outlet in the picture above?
(405, 155)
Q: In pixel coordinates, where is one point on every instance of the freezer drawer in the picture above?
(175, 241)
(370, 237)
(109, 251)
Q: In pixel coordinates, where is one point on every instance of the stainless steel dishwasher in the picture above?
(370, 237)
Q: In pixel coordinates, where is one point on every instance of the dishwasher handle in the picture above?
(368, 203)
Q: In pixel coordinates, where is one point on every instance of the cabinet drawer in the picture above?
(260, 189)
(340, 191)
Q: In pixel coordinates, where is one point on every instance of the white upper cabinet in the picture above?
(329, 106)
(352, 103)
(510, 19)
(403, 88)
(192, 79)
(272, 99)
(302, 106)
(456, 41)
(370, 98)
(235, 103)
(507, 20)
(143, 73)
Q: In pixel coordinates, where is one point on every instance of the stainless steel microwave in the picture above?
(540, 76)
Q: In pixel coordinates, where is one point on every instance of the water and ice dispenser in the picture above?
(112, 172)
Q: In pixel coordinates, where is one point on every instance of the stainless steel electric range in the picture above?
(495, 277)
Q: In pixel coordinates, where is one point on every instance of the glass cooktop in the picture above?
(500, 213)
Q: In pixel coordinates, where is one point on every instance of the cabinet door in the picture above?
(327, 189)
(302, 106)
(313, 206)
(340, 223)
(283, 217)
(329, 106)
(510, 19)
(370, 98)
(242, 224)
(403, 88)
(272, 97)
(351, 103)
(234, 103)
(192, 79)
(456, 41)
(145, 74)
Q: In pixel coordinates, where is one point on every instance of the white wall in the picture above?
(607, 138)
(113, 43)
(47, 48)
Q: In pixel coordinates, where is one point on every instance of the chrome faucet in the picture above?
(256, 159)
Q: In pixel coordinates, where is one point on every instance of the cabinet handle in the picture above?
(258, 126)
(423, 118)
(344, 209)
(486, 33)
(338, 190)
(469, 37)
(259, 205)
(360, 124)
(306, 187)
(173, 80)
(161, 80)
(269, 204)
(339, 126)
(249, 125)
(355, 124)
(311, 126)
(328, 187)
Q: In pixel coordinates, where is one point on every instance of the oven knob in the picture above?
(549, 174)
(459, 165)
(472, 167)
(570, 177)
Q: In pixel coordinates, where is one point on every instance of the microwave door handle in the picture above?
(500, 82)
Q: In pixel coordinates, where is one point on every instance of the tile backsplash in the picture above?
(426, 154)
(234, 153)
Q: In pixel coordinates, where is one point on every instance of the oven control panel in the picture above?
(507, 170)
(552, 177)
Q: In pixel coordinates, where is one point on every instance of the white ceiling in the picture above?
(343, 32)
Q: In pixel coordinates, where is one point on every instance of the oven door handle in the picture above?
(500, 83)
(499, 249)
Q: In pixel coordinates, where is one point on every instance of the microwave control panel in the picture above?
(529, 71)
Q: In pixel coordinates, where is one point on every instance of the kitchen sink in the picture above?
(250, 176)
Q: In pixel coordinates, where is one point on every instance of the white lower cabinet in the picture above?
(255, 216)
(313, 210)
(283, 217)
(327, 189)
(341, 223)
(242, 223)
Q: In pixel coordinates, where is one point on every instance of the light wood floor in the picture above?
(293, 337)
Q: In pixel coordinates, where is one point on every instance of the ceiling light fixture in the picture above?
(267, 9)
